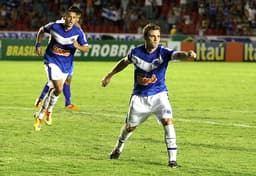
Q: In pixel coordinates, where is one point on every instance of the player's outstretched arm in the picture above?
(180, 55)
(122, 64)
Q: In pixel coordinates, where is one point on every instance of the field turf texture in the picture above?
(214, 107)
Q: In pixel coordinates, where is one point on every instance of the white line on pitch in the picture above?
(113, 115)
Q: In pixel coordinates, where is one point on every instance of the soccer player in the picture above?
(66, 86)
(149, 94)
(58, 58)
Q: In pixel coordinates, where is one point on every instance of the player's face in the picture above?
(70, 19)
(152, 39)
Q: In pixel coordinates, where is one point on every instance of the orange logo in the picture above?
(145, 81)
(60, 51)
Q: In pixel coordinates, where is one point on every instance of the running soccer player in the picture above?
(150, 92)
(66, 86)
(58, 59)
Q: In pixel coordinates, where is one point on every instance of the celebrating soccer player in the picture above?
(149, 93)
(66, 86)
(66, 37)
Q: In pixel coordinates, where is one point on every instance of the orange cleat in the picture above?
(72, 107)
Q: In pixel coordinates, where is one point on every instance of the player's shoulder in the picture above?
(77, 29)
(164, 49)
(138, 48)
(55, 24)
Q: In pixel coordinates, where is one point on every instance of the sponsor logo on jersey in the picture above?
(142, 80)
(60, 51)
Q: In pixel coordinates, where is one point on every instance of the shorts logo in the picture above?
(145, 81)
(168, 111)
(60, 51)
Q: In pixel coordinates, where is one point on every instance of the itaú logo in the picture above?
(60, 51)
(142, 80)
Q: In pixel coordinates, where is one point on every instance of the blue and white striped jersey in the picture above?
(60, 49)
(149, 69)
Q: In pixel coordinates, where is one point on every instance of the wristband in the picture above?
(38, 45)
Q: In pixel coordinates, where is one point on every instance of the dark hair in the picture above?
(75, 9)
(148, 27)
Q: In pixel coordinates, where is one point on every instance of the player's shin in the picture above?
(52, 101)
(45, 105)
(67, 94)
(123, 137)
(170, 140)
(44, 91)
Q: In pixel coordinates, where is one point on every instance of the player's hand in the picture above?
(105, 81)
(191, 54)
(38, 51)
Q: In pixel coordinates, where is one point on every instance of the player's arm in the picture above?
(39, 39)
(122, 64)
(180, 55)
(84, 48)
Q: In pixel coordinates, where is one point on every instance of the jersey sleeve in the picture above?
(47, 27)
(129, 56)
(82, 40)
(168, 53)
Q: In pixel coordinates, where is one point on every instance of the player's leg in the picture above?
(125, 133)
(44, 104)
(170, 140)
(40, 114)
(136, 115)
(67, 94)
(50, 101)
(56, 77)
(66, 91)
(163, 111)
(53, 98)
(39, 100)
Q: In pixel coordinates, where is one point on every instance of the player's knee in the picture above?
(167, 121)
(50, 84)
(130, 129)
(68, 80)
(58, 91)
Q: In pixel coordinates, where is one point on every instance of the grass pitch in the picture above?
(214, 111)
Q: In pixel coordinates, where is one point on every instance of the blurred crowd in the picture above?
(198, 17)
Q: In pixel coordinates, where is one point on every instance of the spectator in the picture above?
(23, 15)
(172, 19)
(89, 9)
(3, 16)
(149, 9)
(157, 8)
(173, 30)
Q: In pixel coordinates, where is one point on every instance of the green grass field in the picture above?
(214, 109)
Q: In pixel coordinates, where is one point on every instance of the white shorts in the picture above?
(142, 107)
(54, 72)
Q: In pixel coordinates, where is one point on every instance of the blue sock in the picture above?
(67, 94)
(44, 92)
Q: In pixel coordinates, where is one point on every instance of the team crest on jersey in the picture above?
(155, 63)
(144, 81)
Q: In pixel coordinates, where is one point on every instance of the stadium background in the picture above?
(214, 29)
